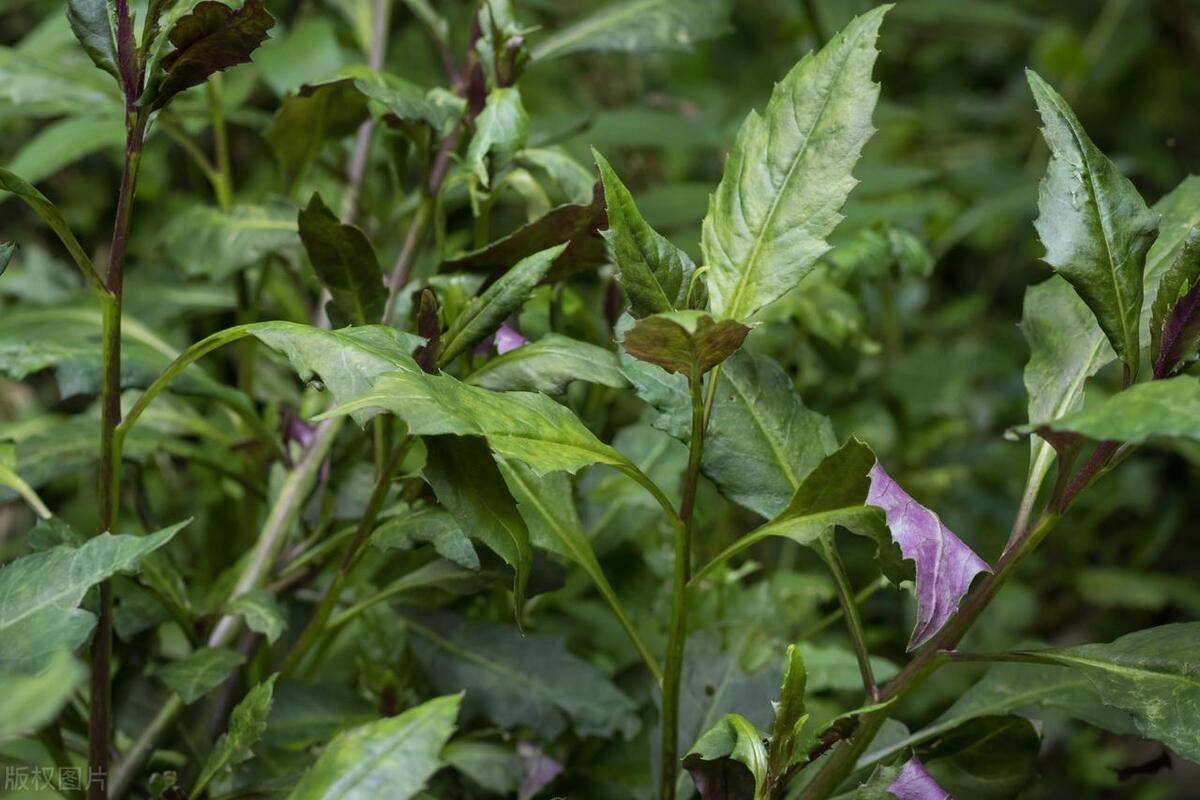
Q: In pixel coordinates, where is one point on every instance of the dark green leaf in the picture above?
(789, 173)
(1175, 318)
(687, 342)
(309, 120)
(246, 726)
(639, 25)
(655, 273)
(200, 673)
(549, 365)
(987, 758)
(485, 313)
(1094, 224)
(390, 757)
(213, 37)
(1179, 214)
(91, 22)
(468, 483)
(346, 264)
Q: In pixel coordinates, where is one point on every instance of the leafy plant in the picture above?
(577, 531)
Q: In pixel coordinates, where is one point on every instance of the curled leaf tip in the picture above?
(945, 566)
(915, 783)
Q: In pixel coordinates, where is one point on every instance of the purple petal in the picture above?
(538, 768)
(945, 566)
(914, 783)
(509, 338)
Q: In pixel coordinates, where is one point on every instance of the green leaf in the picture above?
(7, 251)
(572, 178)
(655, 273)
(1175, 320)
(514, 680)
(761, 439)
(404, 103)
(485, 313)
(10, 478)
(549, 365)
(1094, 224)
(1166, 409)
(575, 224)
(832, 668)
(52, 217)
(687, 342)
(987, 758)
(389, 757)
(789, 172)
(468, 483)
(433, 525)
(246, 726)
(1065, 349)
(639, 25)
(209, 243)
(790, 714)
(39, 593)
(729, 761)
(526, 426)
(213, 37)
(346, 264)
(261, 612)
(664, 391)
(1179, 214)
(500, 131)
(91, 22)
(494, 767)
(31, 700)
(199, 673)
(1150, 675)
(310, 119)
(65, 142)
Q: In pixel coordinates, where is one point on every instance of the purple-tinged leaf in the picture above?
(537, 768)
(915, 783)
(945, 566)
(509, 338)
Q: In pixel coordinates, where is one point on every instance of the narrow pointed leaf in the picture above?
(92, 24)
(469, 485)
(654, 273)
(391, 757)
(790, 713)
(945, 566)
(789, 173)
(549, 365)
(1095, 226)
(39, 593)
(1179, 214)
(485, 313)
(1164, 409)
(638, 26)
(687, 342)
(345, 262)
(500, 131)
(213, 37)
(246, 726)
(52, 217)
(915, 783)
(1175, 317)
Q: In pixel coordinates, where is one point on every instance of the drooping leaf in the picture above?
(549, 365)
(655, 273)
(433, 525)
(346, 264)
(40, 592)
(687, 342)
(789, 173)
(310, 119)
(468, 483)
(1150, 675)
(915, 783)
(1066, 347)
(576, 224)
(1175, 318)
(729, 761)
(500, 131)
(526, 426)
(31, 700)
(246, 726)
(1094, 224)
(485, 313)
(261, 612)
(391, 757)
(199, 673)
(945, 566)
(639, 25)
(214, 244)
(1165, 409)
(211, 38)
(761, 438)
(790, 714)
(514, 680)
(50, 214)
(987, 758)
(91, 22)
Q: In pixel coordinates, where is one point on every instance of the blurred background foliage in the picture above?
(906, 335)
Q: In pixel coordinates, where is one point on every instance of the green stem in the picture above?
(99, 723)
(677, 637)
(845, 593)
(833, 616)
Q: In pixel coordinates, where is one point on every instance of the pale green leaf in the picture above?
(261, 612)
(639, 25)
(500, 131)
(390, 758)
(549, 365)
(209, 243)
(199, 673)
(790, 713)
(1166, 409)
(789, 173)
(246, 726)
(1095, 226)
(66, 141)
(31, 700)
